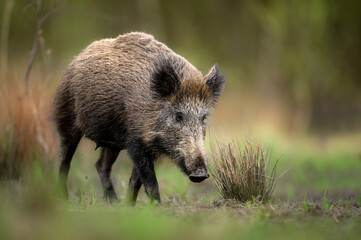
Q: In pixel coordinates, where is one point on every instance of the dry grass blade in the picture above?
(242, 173)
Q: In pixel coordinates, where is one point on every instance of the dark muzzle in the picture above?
(199, 175)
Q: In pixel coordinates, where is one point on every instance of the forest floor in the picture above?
(318, 198)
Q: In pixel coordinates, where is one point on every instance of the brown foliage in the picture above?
(25, 130)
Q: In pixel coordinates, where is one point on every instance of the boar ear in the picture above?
(165, 81)
(215, 82)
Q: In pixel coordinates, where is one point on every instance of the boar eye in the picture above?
(204, 118)
(179, 117)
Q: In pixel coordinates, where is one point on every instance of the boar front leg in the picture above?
(134, 185)
(104, 168)
(144, 163)
(147, 175)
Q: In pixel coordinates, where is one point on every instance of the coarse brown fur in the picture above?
(133, 92)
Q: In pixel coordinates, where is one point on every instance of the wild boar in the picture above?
(134, 93)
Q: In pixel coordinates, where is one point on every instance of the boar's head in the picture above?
(180, 124)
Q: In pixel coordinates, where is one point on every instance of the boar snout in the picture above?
(199, 175)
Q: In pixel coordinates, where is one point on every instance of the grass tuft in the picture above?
(241, 172)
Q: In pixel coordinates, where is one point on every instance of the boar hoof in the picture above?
(111, 198)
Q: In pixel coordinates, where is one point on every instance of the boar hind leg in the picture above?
(68, 145)
(134, 185)
(104, 168)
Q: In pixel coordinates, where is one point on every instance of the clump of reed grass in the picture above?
(25, 130)
(243, 172)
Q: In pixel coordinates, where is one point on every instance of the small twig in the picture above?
(31, 60)
(40, 19)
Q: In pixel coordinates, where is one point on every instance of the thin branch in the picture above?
(47, 14)
(39, 22)
(31, 61)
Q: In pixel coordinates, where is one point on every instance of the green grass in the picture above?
(319, 198)
(88, 220)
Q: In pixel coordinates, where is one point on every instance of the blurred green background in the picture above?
(293, 65)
